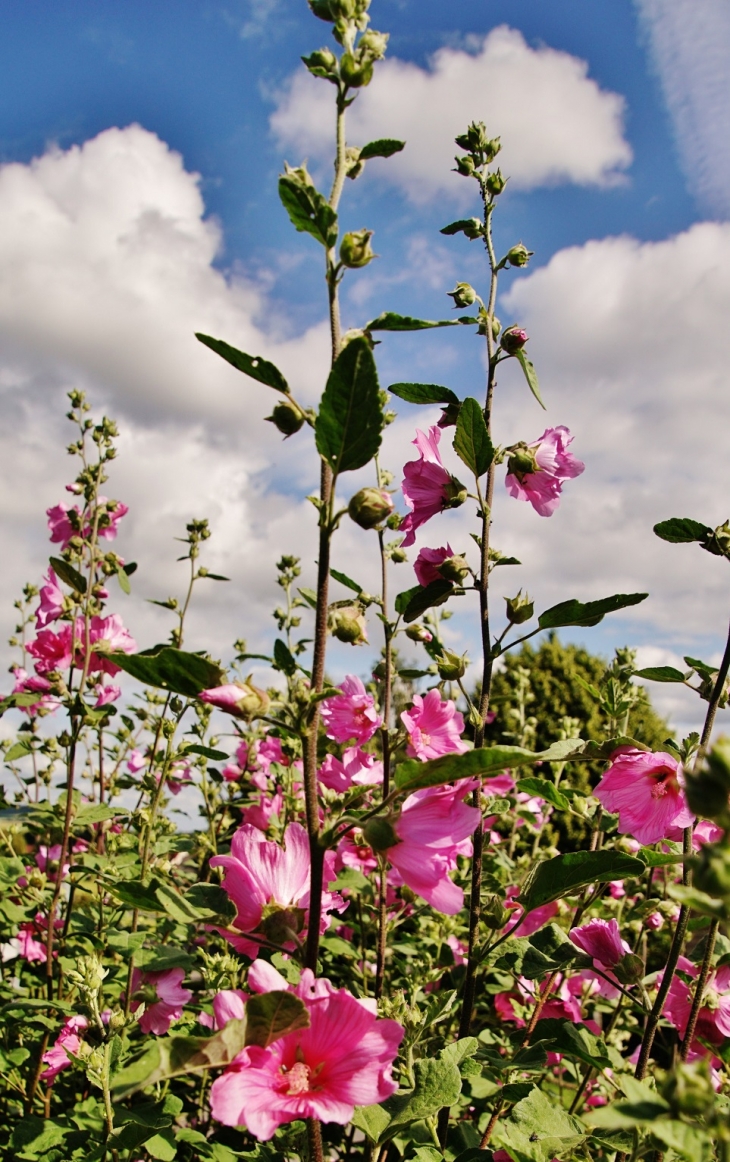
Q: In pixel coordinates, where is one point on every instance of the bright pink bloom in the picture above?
(654, 921)
(427, 562)
(113, 511)
(713, 1024)
(553, 465)
(259, 873)
(232, 772)
(351, 714)
(52, 651)
(269, 751)
(343, 1059)
(52, 601)
(68, 1041)
(601, 939)
(106, 635)
(164, 998)
(228, 1005)
(356, 766)
(499, 785)
(427, 486)
(178, 776)
(433, 829)
(260, 814)
(353, 851)
(434, 727)
(534, 920)
(29, 948)
(60, 524)
(646, 791)
(34, 684)
(136, 761)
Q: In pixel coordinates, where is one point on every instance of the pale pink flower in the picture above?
(344, 1059)
(428, 488)
(179, 775)
(29, 947)
(163, 996)
(499, 785)
(260, 814)
(646, 791)
(106, 635)
(112, 512)
(351, 714)
(136, 762)
(260, 873)
(228, 1005)
(52, 601)
(426, 564)
(105, 695)
(434, 727)
(713, 1024)
(654, 921)
(68, 1041)
(356, 766)
(601, 939)
(552, 464)
(63, 527)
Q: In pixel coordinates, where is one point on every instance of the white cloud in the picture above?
(556, 123)
(690, 43)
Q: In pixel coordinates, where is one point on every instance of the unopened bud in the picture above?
(241, 699)
(356, 70)
(347, 624)
(418, 633)
(322, 63)
(494, 914)
(519, 255)
(454, 569)
(398, 555)
(369, 507)
(475, 141)
(513, 339)
(495, 183)
(465, 166)
(380, 834)
(287, 416)
(719, 542)
(355, 249)
(451, 666)
(474, 718)
(373, 43)
(455, 493)
(688, 1089)
(629, 969)
(519, 608)
(463, 295)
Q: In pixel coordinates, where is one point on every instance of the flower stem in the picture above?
(382, 931)
(699, 991)
(314, 1138)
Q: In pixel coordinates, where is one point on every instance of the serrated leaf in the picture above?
(587, 613)
(572, 1041)
(350, 420)
(537, 1130)
(552, 878)
(155, 896)
(71, 576)
(438, 1084)
(283, 659)
(210, 899)
(471, 440)
(423, 393)
(173, 670)
(96, 813)
(412, 775)
(383, 147)
(252, 365)
(680, 530)
(544, 790)
(472, 227)
(272, 1015)
(414, 602)
(660, 674)
(390, 321)
(372, 1120)
(308, 210)
(530, 375)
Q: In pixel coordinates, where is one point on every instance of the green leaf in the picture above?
(573, 1041)
(471, 440)
(390, 321)
(212, 899)
(530, 376)
(168, 1057)
(251, 365)
(172, 670)
(283, 658)
(472, 227)
(207, 752)
(17, 751)
(424, 393)
(587, 613)
(372, 1120)
(155, 896)
(458, 1051)
(660, 674)
(544, 790)
(537, 1130)
(345, 580)
(162, 957)
(438, 1084)
(412, 774)
(350, 420)
(123, 580)
(96, 813)
(34, 1138)
(308, 210)
(272, 1015)
(552, 878)
(680, 530)
(162, 1146)
(383, 147)
(688, 1141)
(71, 576)
(414, 602)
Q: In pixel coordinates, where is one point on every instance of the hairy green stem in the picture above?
(699, 991)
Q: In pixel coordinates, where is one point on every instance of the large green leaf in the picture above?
(383, 147)
(350, 420)
(572, 1041)
(586, 613)
(538, 1130)
(173, 670)
(411, 603)
(155, 896)
(308, 210)
(660, 674)
(390, 321)
(251, 365)
(273, 1015)
(544, 790)
(423, 393)
(552, 878)
(681, 530)
(413, 775)
(167, 1057)
(530, 376)
(471, 440)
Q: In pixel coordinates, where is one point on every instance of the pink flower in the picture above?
(112, 512)
(228, 1005)
(63, 527)
(654, 921)
(645, 790)
(356, 766)
(260, 873)
(427, 562)
(105, 695)
(536, 472)
(534, 920)
(427, 486)
(52, 601)
(52, 651)
(29, 948)
(163, 997)
(178, 776)
(353, 851)
(351, 714)
(34, 684)
(434, 727)
(601, 939)
(713, 1024)
(261, 813)
(106, 635)
(432, 830)
(343, 1059)
(232, 772)
(68, 1041)
(136, 761)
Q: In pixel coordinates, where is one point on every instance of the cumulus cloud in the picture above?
(557, 125)
(690, 45)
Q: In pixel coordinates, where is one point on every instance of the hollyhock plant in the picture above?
(163, 998)
(536, 472)
(261, 813)
(35, 684)
(428, 488)
(68, 1041)
(112, 513)
(344, 1059)
(602, 940)
(713, 1023)
(52, 651)
(645, 790)
(355, 767)
(52, 601)
(426, 564)
(351, 715)
(63, 527)
(269, 884)
(434, 727)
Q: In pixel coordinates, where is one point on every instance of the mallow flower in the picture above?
(428, 487)
(645, 789)
(163, 998)
(356, 766)
(68, 1041)
(351, 715)
(536, 472)
(713, 1022)
(52, 601)
(434, 727)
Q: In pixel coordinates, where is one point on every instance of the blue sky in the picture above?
(626, 299)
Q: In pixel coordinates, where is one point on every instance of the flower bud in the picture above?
(495, 183)
(287, 417)
(241, 699)
(347, 624)
(463, 295)
(356, 70)
(519, 255)
(465, 166)
(629, 969)
(355, 249)
(513, 339)
(369, 507)
(374, 43)
(380, 834)
(688, 1088)
(519, 608)
(719, 542)
(322, 63)
(474, 718)
(454, 569)
(475, 141)
(451, 666)
(398, 555)
(418, 633)
(449, 415)
(494, 914)
(522, 461)
(454, 493)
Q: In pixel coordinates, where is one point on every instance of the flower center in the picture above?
(425, 738)
(663, 783)
(296, 1079)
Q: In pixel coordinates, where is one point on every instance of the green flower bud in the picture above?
(451, 666)
(398, 555)
(347, 624)
(513, 339)
(394, 521)
(463, 295)
(353, 164)
(369, 507)
(475, 141)
(495, 183)
(374, 43)
(418, 633)
(454, 569)
(630, 969)
(494, 914)
(519, 255)
(465, 166)
(522, 461)
(474, 718)
(719, 543)
(280, 925)
(287, 417)
(455, 493)
(519, 608)
(380, 834)
(688, 1089)
(322, 63)
(355, 249)
(356, 70)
